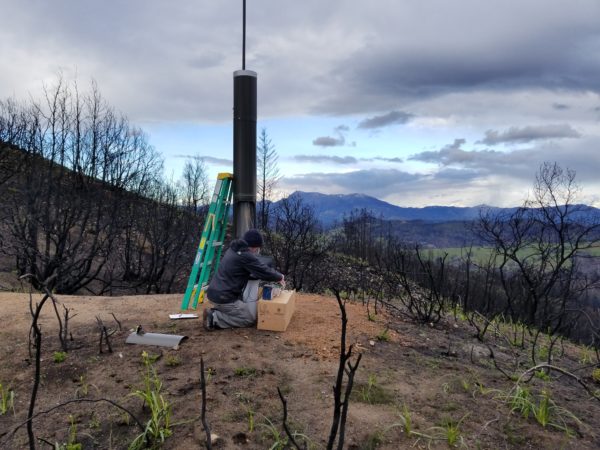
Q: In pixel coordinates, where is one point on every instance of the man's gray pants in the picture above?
(239, 314)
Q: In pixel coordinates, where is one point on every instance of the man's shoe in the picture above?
(207, 319)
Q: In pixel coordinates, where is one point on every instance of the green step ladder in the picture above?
(211, 243)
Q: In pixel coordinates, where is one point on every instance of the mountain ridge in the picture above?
(332, 208)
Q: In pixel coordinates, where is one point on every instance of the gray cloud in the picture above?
(554, 54)
(529, 134)
(183, 69)
(328, 141)
(484, 161)
(437, 155)
(454, 154)
(521, 163)
(391, 118)
(172, 66)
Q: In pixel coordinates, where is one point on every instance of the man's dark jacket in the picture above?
(236, 267)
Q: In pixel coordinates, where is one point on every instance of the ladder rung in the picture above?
(217, 244)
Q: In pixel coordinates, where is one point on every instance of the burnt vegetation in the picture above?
(85, 209)
(85, 206)
(83, 199)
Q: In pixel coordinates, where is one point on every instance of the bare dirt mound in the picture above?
(432, 372)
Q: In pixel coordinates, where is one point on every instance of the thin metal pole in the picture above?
(244, 39)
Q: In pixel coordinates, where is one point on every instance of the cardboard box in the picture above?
(275, 314)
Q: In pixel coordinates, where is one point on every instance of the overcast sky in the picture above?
(428, 102)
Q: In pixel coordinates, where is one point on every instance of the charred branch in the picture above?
(205, 424)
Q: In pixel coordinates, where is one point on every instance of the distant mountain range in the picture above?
(331, 208)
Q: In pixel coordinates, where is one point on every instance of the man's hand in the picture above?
(282, 281)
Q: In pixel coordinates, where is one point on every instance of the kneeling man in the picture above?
(232, 291)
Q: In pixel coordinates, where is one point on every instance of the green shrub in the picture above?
(384, 336)
(372, 393)
(59, 357)
(173, 361)
(245, 372)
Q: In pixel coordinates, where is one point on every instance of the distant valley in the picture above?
(430, 226)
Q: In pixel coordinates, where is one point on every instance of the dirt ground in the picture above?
(438, 376)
